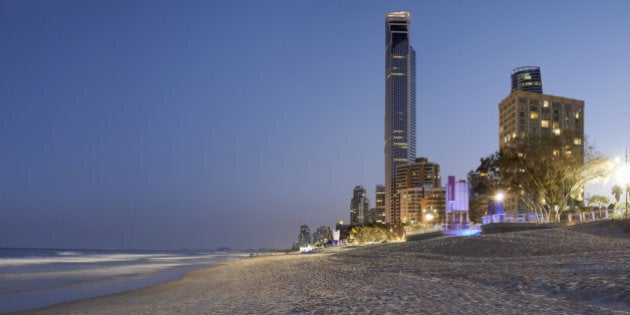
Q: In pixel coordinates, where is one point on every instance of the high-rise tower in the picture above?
(359, 207)
(400, 105)
(527, 113)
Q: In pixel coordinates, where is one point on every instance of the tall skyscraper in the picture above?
(359, 207)
(527, 79)
(530, 114)
(379, 215)
(400, 105)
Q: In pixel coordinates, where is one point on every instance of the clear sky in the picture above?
(199, 124)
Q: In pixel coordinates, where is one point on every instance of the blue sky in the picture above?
(199, 124)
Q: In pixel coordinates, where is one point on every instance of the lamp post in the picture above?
(499, 205)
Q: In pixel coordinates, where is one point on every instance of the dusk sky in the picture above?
(199, 124)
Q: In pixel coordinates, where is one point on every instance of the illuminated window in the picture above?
(555, 125)
(567, 153)
(577, 115)
(556, 131)
(555, 152)
(577, 141)
(533, 115)
(546, 104)
(544, 123)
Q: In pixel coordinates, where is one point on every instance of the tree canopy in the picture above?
(545, 174)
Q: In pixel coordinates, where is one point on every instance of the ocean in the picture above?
(33, 278)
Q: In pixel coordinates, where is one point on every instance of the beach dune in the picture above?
(583, 269)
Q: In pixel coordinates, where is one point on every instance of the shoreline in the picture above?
(46, 288)
(552, 271)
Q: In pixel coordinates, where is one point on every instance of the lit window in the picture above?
(546, 104)
(544, 123)
(577, 141)
(567, 153)
(533, 115)
(556, 131)
(577, 115)
(555, 152)
(556, 125)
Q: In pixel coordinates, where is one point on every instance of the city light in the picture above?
(429, 217)
(499, 197)
(623, 175)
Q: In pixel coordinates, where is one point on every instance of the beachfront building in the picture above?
(412, 183)
(433, 205)
(304, 238)
(322, 235)
(411, 204)
(400, 105)
(420, 173)
(379, 210)
(531, 114)
(359, 207)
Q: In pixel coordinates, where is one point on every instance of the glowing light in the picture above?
(499, 197)
(429, 217)
(623, 174)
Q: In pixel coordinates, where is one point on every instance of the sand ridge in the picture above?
(553, 271)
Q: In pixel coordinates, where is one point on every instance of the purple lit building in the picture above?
(456, 203)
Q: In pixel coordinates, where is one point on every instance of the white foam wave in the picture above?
(91, 272)
(98, 258)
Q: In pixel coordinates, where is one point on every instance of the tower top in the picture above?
(404, 15)
(527, 79)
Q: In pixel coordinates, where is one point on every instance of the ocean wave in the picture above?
(69, 259)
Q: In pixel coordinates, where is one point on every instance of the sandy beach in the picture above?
(574, 270)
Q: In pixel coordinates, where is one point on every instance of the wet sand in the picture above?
(579, 270)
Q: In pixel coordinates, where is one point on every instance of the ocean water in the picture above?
(33, 278)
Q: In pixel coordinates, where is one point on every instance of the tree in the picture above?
(545, 174)
(598, 200)
(617, 191)
(370, 234)
(484, 185)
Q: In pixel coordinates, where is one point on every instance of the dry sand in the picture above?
(577, 270)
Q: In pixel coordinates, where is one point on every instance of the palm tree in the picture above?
(617, 191)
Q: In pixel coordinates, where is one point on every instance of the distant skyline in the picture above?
(195, 124)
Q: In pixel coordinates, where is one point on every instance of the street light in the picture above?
(499, 205)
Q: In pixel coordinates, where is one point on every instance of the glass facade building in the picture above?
(527, 79)
(380, 205)
(400, 105)
(359, 207)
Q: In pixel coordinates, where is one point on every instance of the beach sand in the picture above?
(574, 270)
